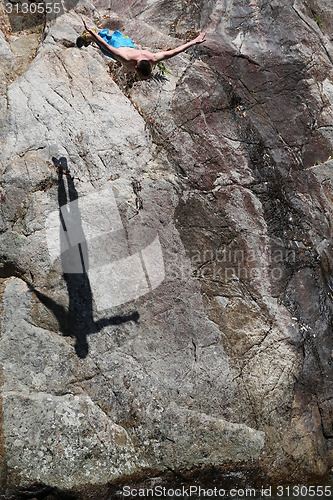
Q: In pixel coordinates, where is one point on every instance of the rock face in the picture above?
(166, 249)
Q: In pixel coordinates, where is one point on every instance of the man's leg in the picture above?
(89, 38)
(84, 40)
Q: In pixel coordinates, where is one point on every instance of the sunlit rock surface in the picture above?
(166, 301)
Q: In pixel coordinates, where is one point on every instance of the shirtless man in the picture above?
(141, 61)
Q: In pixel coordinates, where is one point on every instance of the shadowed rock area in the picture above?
(166, 249)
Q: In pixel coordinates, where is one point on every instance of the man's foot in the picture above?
(81, 40)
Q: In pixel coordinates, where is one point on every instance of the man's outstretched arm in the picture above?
(102, 43)
(166, 54)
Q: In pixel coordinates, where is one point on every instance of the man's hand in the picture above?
(201, 38)
(86, 25)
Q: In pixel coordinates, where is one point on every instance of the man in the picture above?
(122, 49)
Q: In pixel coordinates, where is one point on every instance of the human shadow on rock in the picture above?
(76, 321)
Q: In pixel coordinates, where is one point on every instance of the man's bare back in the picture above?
(138, 60)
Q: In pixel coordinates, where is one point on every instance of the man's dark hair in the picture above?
(144, 68)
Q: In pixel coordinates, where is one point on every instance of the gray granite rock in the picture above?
(165, 252)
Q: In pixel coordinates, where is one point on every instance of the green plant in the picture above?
(318, 20)
(162, 69)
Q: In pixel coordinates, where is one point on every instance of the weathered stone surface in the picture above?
(193, 332)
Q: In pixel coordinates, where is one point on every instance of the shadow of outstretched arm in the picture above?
(117, 320)
(65, 324)
(58, 310)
